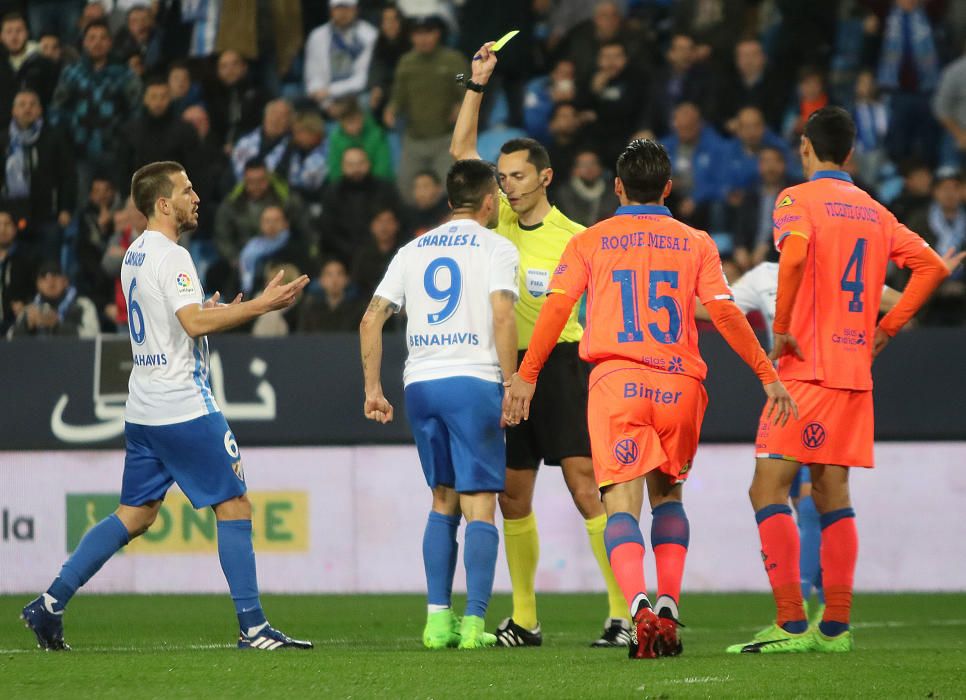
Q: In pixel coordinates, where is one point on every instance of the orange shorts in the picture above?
(641, 419)
(837, 426)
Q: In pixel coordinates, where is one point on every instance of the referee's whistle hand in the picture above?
(519, 394)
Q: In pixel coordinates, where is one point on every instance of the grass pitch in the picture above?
(908, 646)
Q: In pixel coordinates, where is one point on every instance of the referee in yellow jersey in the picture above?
(556, 433)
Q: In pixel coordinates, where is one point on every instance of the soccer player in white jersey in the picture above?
(458, 284)
(174, 430)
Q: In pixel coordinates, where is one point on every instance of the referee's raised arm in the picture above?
(463, 145)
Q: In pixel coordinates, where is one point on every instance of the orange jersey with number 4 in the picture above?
(851, 238)
(642, 270)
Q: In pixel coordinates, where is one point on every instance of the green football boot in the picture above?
(774, 640)
(442, 630)
(831, 645)
(473, 636)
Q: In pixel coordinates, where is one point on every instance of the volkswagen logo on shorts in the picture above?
(626, 451)
(813, 436)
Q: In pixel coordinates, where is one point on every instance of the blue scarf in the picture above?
(920, 43)
(18, 160)
(63, 306)
(254, 251)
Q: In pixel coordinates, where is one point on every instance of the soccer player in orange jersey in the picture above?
(643, 270)
(836, 243)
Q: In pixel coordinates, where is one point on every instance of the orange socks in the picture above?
(780, 554)
(840, 550)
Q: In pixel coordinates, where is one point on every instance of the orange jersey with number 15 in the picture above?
(643, 270)
(851, 238)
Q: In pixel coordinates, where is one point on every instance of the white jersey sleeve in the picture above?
(178, 280)
(504, 269)
(393, 285)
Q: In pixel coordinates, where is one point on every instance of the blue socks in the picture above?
(479, 558)
(237, 558)
(669, 525)
(439, 557)
(97, 546)
(622, 528)
(810, 534)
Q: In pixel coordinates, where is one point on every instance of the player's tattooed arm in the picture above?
(375, 407)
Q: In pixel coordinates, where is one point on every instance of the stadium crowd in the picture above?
(316, 132)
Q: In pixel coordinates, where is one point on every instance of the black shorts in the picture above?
(557, 427)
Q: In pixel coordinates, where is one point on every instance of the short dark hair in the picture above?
(773, 149)
(536, 153)
(155, 79)
(153, 181)
(102, 23)
(431, 174)
(255, 163)
(644, 169)
(13, 17)
(468, 182)
(832, 133)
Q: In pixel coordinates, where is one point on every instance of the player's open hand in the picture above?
(879, 342)
(780, 401)
(954, 259)
(484, 63)
(377, 408)
(516, 402)
(215, 302)
(785, 344)
(281, 296)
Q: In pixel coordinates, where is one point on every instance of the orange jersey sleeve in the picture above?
(642, 271)
(850, 240)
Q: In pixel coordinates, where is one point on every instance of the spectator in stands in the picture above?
(871, 117)
(392, 43)
(338, 55)
(696, 153)
(93, 99)
(57, 308)
(268, 142)
(615, 94)
(184, 92)
(59, 17)
(275, 244)
(17, 273)
(304, 164)
(544, 94)
(606, 25)
(741, 153)
(212, 176)
(95, 226)
(949, 106)
(752, 83)
(351, 203)
(752, 216)
(683, 79)
(51, 49)
(371, 260)
(810, 97)
(22, 65)
(913, 201)
(234, 103)
(332, 311)
(566, 129)
(430, 207)
(38, 182)
(715, 25)
(239, 215)
(427, 96)
(158, 133)
(946, 230)
(139, 38)
(357, 129)
(908, 73)
(587, 196)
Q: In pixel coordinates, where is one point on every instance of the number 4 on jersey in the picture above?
(852, 277)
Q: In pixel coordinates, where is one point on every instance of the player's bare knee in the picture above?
(514, 508)
(478, 506)
(238, 508)
(137, 519)
(446, 500)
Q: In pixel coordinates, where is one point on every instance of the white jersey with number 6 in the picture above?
(169, 379)
(444, 278)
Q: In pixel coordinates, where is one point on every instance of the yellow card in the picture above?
(503, 40)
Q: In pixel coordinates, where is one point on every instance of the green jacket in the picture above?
(372, 140)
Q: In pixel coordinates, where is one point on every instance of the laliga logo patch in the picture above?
(239, 471)
(626, 451)
(184, 284)
(813, 436)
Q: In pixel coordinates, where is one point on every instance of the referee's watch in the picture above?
(470, 85)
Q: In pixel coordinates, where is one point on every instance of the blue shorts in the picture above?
(456, 423)
(200, 455)
(804, 476)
